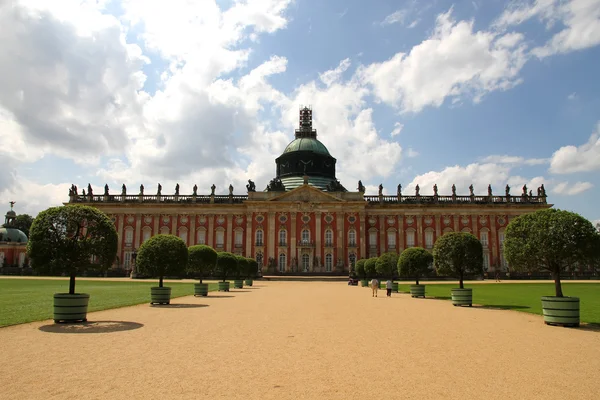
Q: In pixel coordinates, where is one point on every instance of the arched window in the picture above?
(282, 262)
(373, 238)
(201, 236)
(351, 237)
(410, 238)
(391, 238)
(484, 238)
(183, 235)
(239, 238)
(305, 236)
(429, 238)
(305, 262)
(164, 230)
(128, 236)
(259, 237)
(328, 262)
(329, 238)
(220, 242)
(146, 234)
(283, 237)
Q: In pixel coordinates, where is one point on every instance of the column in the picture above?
(382, 233)
(362, 237)
(155, 230)
(318, 236)
(438, 226)
(419, 219)
(211, 230)
(174, 225)
(474, 226)
(340, 238)
(293, 240)
(249, 235)
(138, 230)
(271, 235)
(192, 232)
(455, 217)
(494, 242)
(228, 233)
(121, 219)
(400, 234)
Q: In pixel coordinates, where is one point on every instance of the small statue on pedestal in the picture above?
(195, 190)
(507, 191)
(142, 189)
(453, 189)
(380, 189)
(124, 190)
(417, 190)
(230, 189)
(251, 187)
(177, 190)
(159, 191)
(435, 189)
(212, 189)
(399, 190)
(471, 190)
(106, 189)
(361, 188)
(90, 192)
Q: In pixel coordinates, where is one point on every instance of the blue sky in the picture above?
(464, 92)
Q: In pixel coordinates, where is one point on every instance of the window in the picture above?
(282, 262)
(391, 236)
(486, 261)
(329, 238)
(328, 262)
(501, 239)
(183, 235)
(483, 238)
(305, 236)
(128, 237)
(305, 262)
(202, 237)
(220, 238)
(164, 230)
(429, 239)
(282, 237)
(410, 239)
(147, 234)
(259, 237)
(239, 238)
(127, 260)
(373, 239)
(351, 237)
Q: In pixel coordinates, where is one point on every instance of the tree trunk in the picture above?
(160, 281)
(200, 279)
(462, 286)
(557, 285)
(417, 280)
(72, 284)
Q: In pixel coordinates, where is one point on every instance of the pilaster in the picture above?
(249, 236)
(419, 219)
(211, 230)
(192, 233)
(120, 221)
(438, 226)
(382, 234)
(138, 230)
(271, 235)
(229, 233)
(494, 242)
(318, 236)
(474, 225)
(363, 237)
(400, 234)
(293, 240)
(156, 218)
(455, 219)
(174, 224)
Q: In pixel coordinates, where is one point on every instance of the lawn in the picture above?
(27, 300)
(523, 296)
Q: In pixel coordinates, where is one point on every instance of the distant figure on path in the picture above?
(388, 286)
(374, 286)
(497, 275)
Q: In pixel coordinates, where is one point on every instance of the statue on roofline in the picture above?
(524, 190)
(399, 190)
(83, 192)
(435, 189)
(380, 189)
(490, 190)
(177, 190)
(417, 190)
(159, 191)
(453, 189)
(195, 190)
(251, 187)
(471, 190)
(90, 192)
(507, 191)
(361, 188)
(539, 191)
(531, 193)
(230, 189)
(124, 190)
(212, 189)
(276, 185)
(142, 189)
(106, 189)
(543, 190)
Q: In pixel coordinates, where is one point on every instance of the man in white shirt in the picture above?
(388, 286)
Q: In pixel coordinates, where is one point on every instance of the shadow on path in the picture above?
(91, 327)
(178, 305)
(591, 327)
(240, 291)
(218, 296)
(500, 307)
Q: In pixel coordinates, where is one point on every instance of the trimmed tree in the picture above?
(226, 264)
(551, 240)
(162, 255)
(242, 266)
(385, 264)
(457, 254)
(370, 267)
(359, 268)
(66, 239)
(202, 260)
(414, 263)
(252, 268)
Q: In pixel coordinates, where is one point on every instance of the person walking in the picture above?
(388, 286)
(374, 286)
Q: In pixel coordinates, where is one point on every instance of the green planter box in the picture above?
(561, 311)
(248, 282)
(224, 286)
(417, 290)
(238, 284)
(70, 307)
(395, 287)
(364, 283)
(200, 289)
(160, 295)
(462, 297)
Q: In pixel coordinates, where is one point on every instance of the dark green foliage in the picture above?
(414, 262)
(22, 222)
(551, 240)
(202, 259)
(359, 268)
(252, 268)
(162, 255)
(370, 267)
(386, 264)
(64, 240)
(457, 254)
(227, 264)
(242, 266)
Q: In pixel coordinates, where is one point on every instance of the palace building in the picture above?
(13, 242)
(306, 221)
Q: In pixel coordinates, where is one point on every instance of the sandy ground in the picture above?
(291, 340)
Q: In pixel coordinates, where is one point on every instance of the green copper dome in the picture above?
(12, 235)
(306, 144)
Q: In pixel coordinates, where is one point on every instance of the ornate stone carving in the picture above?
(251, 187)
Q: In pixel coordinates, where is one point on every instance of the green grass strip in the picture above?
(28, 300)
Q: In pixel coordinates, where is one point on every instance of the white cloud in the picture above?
(397, 129)
(414, 23)
(506, 159)
(395, 17)
(455, 61)
(569, 159)
(32, 197)
(411, 153)
(570, 190)
(572, 96)
(334, 75)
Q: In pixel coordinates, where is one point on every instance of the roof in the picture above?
(292, 182)
(14, 234)
(306, 144)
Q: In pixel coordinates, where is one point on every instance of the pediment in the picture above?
(307, 194)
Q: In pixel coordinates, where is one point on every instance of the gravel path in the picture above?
(299, 340)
